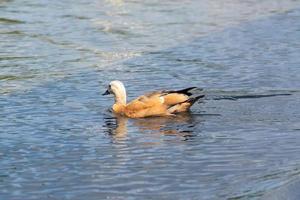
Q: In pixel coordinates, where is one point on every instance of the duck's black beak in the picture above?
(106, 93)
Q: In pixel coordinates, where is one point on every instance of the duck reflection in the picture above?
(116, 126)
(180, 125)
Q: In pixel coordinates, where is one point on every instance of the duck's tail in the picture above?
(188, 91)
(194, 95)
(192, 99)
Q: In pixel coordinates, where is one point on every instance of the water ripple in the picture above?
(58, 141)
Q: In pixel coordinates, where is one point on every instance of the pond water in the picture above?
(59, 141)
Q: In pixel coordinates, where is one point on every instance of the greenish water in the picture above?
(59, 141)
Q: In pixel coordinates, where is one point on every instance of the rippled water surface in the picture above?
(58, 141)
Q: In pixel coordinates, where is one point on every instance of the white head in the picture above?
(117, 88)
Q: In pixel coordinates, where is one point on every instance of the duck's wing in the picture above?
(166, 98)
(147, 105)
(145, 101)
(171, 99)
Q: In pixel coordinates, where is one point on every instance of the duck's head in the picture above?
(117, 88)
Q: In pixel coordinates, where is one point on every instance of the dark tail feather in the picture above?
(192, 100)
(187, 91)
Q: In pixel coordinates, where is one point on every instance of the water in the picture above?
(58, 141)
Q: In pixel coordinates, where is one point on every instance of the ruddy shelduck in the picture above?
(159, 103)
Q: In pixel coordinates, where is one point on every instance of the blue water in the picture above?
(59, 141)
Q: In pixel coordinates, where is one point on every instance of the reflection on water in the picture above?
(116, 126)
(181, 125)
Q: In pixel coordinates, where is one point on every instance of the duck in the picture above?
(152, 104)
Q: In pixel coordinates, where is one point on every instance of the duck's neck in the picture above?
(120, 98)
(120, 103)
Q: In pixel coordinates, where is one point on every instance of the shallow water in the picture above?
(58, 141)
